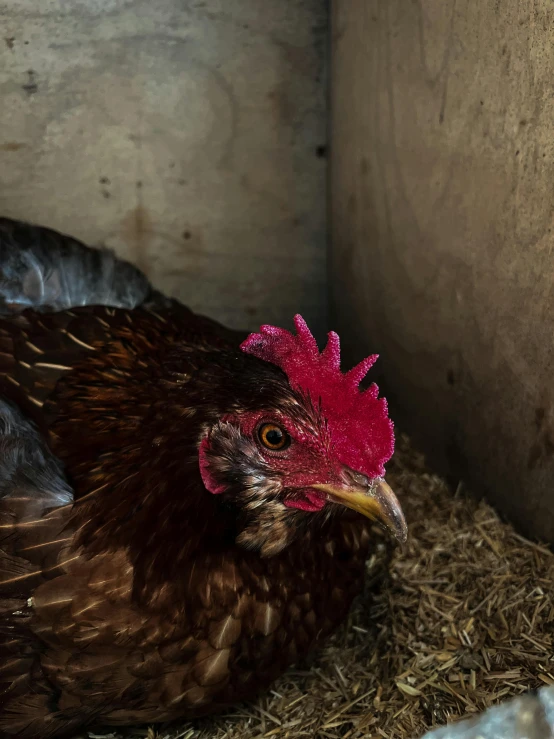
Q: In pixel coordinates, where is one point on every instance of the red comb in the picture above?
(360, 429)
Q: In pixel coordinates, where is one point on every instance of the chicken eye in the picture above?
(273, 437)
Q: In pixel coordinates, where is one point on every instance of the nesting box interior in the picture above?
(193, 138)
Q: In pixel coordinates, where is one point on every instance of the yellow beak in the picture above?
(377, 502)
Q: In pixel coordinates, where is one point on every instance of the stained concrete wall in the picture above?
(442, 219)
(187, 135)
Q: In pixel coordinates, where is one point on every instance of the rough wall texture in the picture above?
(442, 216)
(187, 135)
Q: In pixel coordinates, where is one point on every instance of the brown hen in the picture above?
(182, 515)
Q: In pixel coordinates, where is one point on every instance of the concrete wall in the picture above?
(187, 135)
(442, 226)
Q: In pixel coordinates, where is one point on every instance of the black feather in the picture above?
(47, 271)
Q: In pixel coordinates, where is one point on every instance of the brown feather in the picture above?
(135, 603)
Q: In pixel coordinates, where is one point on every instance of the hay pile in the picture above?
(463, 620)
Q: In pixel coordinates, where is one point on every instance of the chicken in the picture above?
(184, 512)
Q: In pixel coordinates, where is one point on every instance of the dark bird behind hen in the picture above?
(183, 512)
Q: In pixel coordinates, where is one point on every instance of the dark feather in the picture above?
(47, 271)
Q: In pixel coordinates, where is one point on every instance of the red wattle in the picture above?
(308, 500)
(207, 478)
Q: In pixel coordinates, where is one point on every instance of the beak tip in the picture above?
(402, 535)
(398, 529)
(393, 517)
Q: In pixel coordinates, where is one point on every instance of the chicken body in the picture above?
(130, 592)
